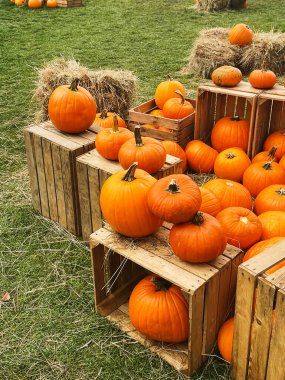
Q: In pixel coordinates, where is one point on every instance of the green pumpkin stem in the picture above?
(268, 165)
(280, 191)
(235, 118)
(198, 219)
(74, 85)
(181, 96)
(230, 155)
(130, 174)
(138, 136)
(272, 152)
(161, 284)
(115, 126)
(173, 188)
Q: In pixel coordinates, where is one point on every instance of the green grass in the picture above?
(48, 330)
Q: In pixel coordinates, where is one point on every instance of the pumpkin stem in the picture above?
(115, 125)
(74, 84)
(130, 173)
(173, 188)
(138, 136)
(104, 114)
(160, 283)
(268, 165)
(230, 155)
(181, 96)
(198, 219)
(235, 118)
(280, 191)
(272, 152)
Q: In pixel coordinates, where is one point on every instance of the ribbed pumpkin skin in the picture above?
(231, 164)
(166, 90)
(282, 162)
(226, 76)
(242, 227)
(124, 204)
(108, 142)
(198, 243)
(159, 315)
(260, 175)
(210, 203)
(262, 79)
(172, 148)
(105, 120)
(276, 139)
(175, 108)
(200, 156)
(272, 198)
(225, 339)
(240, 35)
(230, 132)
(230, 193)
(273, 224)
(174, 203)
(266, 155)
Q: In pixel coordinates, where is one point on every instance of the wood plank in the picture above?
(277, 278)
(84, 138)
(84, 200)
(52, 137)
(97, 263)
(223, 297)
(74, 154)
(94, 192)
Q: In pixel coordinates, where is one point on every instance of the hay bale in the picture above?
(211, 5)
(211, 50)
(267, 51)
(114, 90)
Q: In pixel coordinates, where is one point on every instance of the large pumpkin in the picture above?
(226, 76)
(210, 203)
(51, 3)
(172, 148)
(198, 241)
(34, 4)
(230, 132)
(104, 119)
(260, 175)
(282, 162)
(148, 152)
(240, 35)
(175, 198)
(272, 198)
(159, 310)
(72, 109)
(262, 79)
(123, 201)
(273, 224)
(166, 90)
(276, 139)
(267, 155)
(230, 193)
(177, 108)
(200, 156)
(225, 339)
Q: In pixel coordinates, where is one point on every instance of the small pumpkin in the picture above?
(157, 112)
(240, 35)
(262, 79)
(148, 152)
(177, 108)
(164, 129)
(166, 90)
(51, 3)
(272, 198)
(276, 139)
(282, 162)
(104, 119)
(262, 174)
(159, 310)
(273, 224)
(20, 3)
(226, 76)
(175, 198)
(231, 164)
(123, 202)
(200, 156)
(35, 4)
(210, 203)
(225, 339)
(198, 241)
(230, 132)
(109, 140)
(72, 109)
(172, 148)
(267, 155)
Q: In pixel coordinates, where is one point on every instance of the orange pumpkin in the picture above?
(165, 129)
(273, 224)
(262, 79)
(35, 4)
(230, 193)
(276, 139)
(230, 132)
(225, 339)
(262, 174)
(71, 109)
(104, 119)
(231, 164)
(175, 198)
(123, 202)
(150, 126)
(267, 155)
(20, 3)
(226, 76)
(282, 162)
(272, 198)
(51, 3)
(175, 108)
(148, 152)
(198, 241)
(157, 112)
(200, 156)
(172, 148)
(166, 90)
(159, 310)
(210, 203)
(240, 35)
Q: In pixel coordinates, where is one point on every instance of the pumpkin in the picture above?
(267, 155)
(159, 310)
(20, 3)
(240, 35)
(175, 198)
(34, 4)
(148, 152)
(165, 129)
(262, 174)
(272, 198)
(225, 339)
(104, 119)
(109, 140)
(242, 227)
(273, 224)
(230, 193)
(157, 112)
(276, 139)
(262, 79)
(72, 109)
(123, 202)
(282, 162)
(210, 203)
(200, 240)
(172, 148)
(226, 76)
(51, 3)
(175, 108)
(166, 90)
(231, 164)
(230, 132)
(200, 156)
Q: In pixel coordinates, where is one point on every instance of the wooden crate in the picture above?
(259, 341)
(92, 172)
(215, 102)
(69, 3)
(51, 161)
(270, 116)
(118, 263)
(182, 130)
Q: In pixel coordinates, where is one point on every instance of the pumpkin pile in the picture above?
(35, 4)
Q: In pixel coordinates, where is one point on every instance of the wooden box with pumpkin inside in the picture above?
(119, 263)
(51, 158)
(259, 329)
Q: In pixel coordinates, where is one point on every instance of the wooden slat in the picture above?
(223, 297)
(97, 264)
(94, 189)
(84, 138)
(277, 278)
(84, 200)
(74, 154)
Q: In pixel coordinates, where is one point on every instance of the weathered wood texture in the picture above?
(69, 3)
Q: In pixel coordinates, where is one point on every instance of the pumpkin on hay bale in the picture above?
(218, 5)
(114, 90)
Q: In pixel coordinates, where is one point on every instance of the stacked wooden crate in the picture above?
(69, 3)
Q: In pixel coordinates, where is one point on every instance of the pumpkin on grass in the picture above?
(172, 148)
(35, 4)
(123, 202)
(159, 310)
(226, 76)
(177, 108)
(225, 339)
(104, 119)
(276, 139)
(273, 224)
(20, 3)
(175, 198)
(272, 198)
(240, 35)
(200, 156)
(51, 3)
(166, 90)
(210, 203)
(267, 155)
(262, 79)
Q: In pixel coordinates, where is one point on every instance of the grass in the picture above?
(48, 330)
